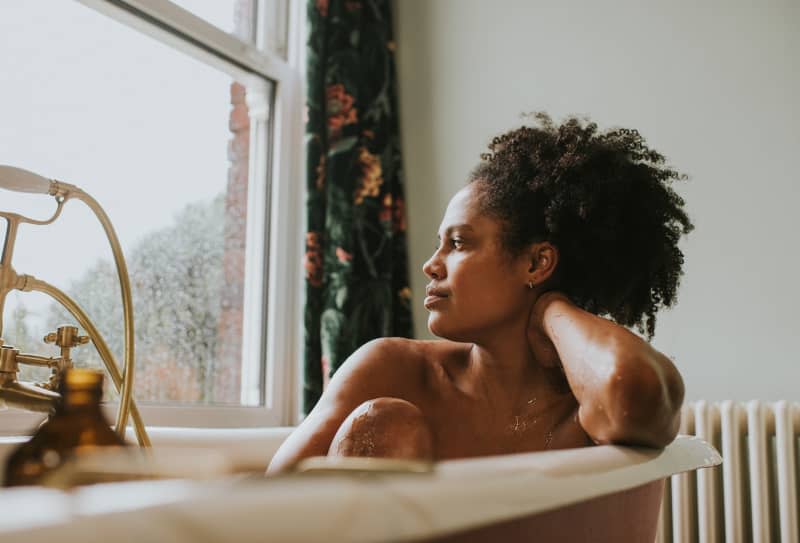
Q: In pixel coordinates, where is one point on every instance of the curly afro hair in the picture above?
(604, 200)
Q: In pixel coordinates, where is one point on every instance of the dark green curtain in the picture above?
(355, 259)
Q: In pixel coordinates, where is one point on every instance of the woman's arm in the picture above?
(380, 368)
(628, 392)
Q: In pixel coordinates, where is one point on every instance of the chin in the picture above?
(439, 327)
(433, 328)
(436, 326)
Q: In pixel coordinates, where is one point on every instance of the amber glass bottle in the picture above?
(76, 424)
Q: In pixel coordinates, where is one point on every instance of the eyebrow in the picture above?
(449, 229)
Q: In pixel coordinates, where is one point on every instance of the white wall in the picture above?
(714, 87)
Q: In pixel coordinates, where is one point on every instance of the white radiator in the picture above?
(752, 496)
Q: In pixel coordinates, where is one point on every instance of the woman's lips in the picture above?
(434, 295)
(433, 300)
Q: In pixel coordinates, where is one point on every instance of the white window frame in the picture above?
(272, 308)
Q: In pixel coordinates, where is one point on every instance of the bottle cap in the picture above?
(82, 379)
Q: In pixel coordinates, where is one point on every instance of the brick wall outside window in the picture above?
(227, 384)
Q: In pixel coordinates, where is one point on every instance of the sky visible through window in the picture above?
(141, 127)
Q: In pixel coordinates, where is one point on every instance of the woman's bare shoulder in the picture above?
(416, 349)
(381, 361)
(441, 361)
(402, 359)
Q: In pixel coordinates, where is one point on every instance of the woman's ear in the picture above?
(543, 263)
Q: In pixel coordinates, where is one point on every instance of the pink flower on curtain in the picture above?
(312, 261)
(343, 256)
(340, 110)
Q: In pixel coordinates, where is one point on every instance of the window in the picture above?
(182, 119)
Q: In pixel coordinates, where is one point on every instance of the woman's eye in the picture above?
(456, 243)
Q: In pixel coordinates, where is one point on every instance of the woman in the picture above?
(558, 225)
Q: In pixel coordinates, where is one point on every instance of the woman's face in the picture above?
(475, 288)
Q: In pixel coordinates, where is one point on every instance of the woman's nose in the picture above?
(433, 267)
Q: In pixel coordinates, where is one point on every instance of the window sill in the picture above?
(19, 422)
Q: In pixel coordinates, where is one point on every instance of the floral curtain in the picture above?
(355, 259)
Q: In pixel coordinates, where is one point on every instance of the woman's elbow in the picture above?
(646, 404)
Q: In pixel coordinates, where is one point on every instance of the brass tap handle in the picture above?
(8, 360)
(66, 337)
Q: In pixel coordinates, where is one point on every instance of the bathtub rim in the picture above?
(409, 507)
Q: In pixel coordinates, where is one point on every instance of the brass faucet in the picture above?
(37, 396)
(28, 396)
(41, 397)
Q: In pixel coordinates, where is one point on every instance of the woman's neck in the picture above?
(501, 365)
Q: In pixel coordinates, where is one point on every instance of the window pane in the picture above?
(233, 16)
(162, 142)
(275, 29)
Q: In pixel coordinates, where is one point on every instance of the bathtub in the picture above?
(593, 494)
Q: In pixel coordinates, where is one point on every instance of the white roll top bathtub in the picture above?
(604, 493)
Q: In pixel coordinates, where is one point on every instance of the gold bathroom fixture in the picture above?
(40, 397)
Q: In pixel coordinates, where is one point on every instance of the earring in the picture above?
(531, 285)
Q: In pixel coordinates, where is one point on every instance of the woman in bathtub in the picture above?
(557, 226)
